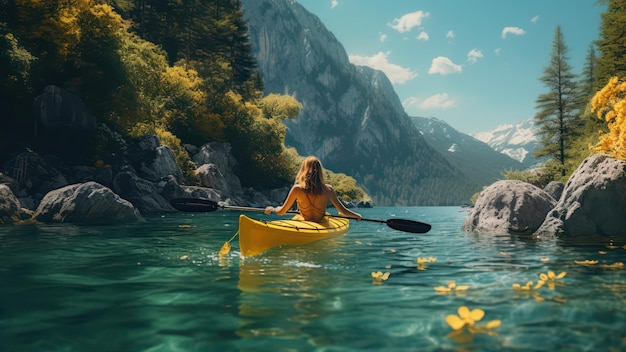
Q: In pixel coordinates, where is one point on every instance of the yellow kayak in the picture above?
(257, 236)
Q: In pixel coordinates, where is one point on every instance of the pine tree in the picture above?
(557, 115)
(589, 76)
(612, 43)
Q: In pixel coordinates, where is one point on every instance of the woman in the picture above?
(312, 194)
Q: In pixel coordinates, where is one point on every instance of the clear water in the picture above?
(156, 286)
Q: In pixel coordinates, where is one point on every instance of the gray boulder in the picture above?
(221, 174)
(593, 201)
(163, 164)
(57, 108)
(141, 193)
(509, 206)
(9, 206)
(555, 189)
(210, 176)
(88, 202)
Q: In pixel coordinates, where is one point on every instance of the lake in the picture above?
(160, 286)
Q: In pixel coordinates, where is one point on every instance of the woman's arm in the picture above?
(283, 209)
(332, 195)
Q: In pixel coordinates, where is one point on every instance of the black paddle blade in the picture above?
(408, 225)
(194, 205)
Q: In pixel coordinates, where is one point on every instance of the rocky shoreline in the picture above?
(46, 189)
(591, 206)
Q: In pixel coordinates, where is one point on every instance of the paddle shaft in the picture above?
(205, 205)
(232, 207)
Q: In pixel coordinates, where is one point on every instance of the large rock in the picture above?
(593, 201)
(216, 169)
(555, 189)
(163, 164)
(88, 202)
(141, 193)
(57, 108)
(9, 206)
(509, 206)
(34, 174)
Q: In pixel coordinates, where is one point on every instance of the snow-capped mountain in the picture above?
(518, 141)
(475, 157)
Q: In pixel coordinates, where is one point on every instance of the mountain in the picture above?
(476, 158)
(518, 141)
(351, 118)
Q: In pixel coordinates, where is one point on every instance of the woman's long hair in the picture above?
(311, 176)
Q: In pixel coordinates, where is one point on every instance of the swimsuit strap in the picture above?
(311, 205)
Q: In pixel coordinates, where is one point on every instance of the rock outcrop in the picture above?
(592, 205)
(9, 206)
(593, 201)
(89, 202)
(509, 206)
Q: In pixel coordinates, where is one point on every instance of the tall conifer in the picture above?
(612, 43)
(558, 107)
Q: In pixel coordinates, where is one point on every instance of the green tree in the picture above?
(612, 43)
(557, 118)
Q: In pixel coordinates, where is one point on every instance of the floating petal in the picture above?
(455, 322)
(493, 324)
(477, 314)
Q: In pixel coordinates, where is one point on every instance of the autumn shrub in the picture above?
(610, 106)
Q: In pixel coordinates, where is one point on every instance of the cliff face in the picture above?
(351, 117)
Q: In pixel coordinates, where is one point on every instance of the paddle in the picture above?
(205, 205)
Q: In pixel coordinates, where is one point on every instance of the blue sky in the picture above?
(473, 64)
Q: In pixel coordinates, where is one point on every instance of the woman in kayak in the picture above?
(312, 194)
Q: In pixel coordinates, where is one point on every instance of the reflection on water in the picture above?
(159, 286)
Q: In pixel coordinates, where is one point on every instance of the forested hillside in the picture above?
(182, 70)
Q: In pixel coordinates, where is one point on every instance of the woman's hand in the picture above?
(269, 210)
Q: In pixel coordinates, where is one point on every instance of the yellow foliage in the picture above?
(610, 105)
(280, 106)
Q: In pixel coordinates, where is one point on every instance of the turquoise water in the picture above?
(157, 286)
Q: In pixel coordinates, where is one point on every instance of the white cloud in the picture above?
(474, 55)
(437, 101)
(395, 73)
(450, 34)
(512, 30)
(409, 21)
(334, 4)
(410, 102)
(444, 66)
(534, 19)
(423, 36)
(383, 37)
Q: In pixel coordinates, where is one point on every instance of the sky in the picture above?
(475, 64)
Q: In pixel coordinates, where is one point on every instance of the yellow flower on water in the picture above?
(529, 286)
(544, 259)
(184, 257)
(379, 276)
(550, 278)
(421, 262)
(451, 288)
(184, 226)
(467, 320)
(586, 262)
(617, 265)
